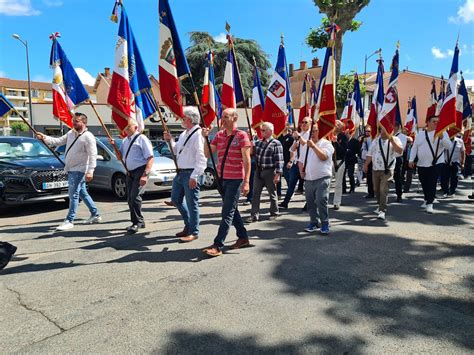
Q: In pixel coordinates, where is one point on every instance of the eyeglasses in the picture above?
(305, 122)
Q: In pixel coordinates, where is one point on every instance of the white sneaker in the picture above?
(381, 215)
(377, 211)
(445, 196)
(429, 208)
(435, 201)
(65, 226)
(423, 205)
(93, 220)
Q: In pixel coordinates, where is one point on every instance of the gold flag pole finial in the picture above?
(227, 27)
(398, 44)
(282, 39)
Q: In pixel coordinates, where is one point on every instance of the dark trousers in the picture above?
(253, 166)
(134, 194)
(350, 169)
(449, 179)
(428, 179)
(398, 176)
(293, 177)
(467, 166)
(408, 179)
(370, 184)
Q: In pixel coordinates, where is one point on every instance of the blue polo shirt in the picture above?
(140, 151)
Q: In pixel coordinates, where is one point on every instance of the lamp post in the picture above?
(378, 51)
(25, 43)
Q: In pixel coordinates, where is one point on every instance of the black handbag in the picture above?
(6, 252)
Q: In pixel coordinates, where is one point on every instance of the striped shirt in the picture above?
(233, 167)
(272, 157)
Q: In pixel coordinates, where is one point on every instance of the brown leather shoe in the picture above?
(183, 233)
(213, 250)
(188, 238)
(240, 243)
(169, 203)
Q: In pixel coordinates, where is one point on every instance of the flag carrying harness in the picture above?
(385, 158)
(433, 153)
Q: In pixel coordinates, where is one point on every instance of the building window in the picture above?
(35, 93)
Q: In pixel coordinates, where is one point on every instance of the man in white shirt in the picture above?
(317, 175)
(192, 162)
(454, 161)
(382, 154)
(430, 153)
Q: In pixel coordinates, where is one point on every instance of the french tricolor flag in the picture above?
(440, 99)
(276, 104)
(432, 102)
(387, 116)
(304, 104)
(68, 91)
(355, 110)
(411, 123)
(258, 104)
(172, 61)
(210, 101)
(377, 100)
(231, 88)
(130, 94)
(447, 115)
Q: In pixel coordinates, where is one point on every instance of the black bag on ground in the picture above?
(6, 252)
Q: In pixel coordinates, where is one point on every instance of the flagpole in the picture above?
(109, 136)
(36, 134)
(307, 104)
(155, 103)
(231, 45)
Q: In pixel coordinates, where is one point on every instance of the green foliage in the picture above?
(318, 37)
(19, 127)
(344, 86)
(245, 50)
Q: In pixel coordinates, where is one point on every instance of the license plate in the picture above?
(54, 185)
(168, 178)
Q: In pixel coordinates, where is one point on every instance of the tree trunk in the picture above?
(338, 52)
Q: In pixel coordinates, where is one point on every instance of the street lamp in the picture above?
(378, 51)
(25, 43)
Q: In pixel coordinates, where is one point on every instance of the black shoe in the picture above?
(399, 199)
(132, 229)
(305, 208)
(251, 219)
(369, 196)
(6, 252)
(273, 217)
(283, 206)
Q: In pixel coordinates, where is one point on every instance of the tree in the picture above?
(245, 50)
(345, 85)
(18, 127)
(343, 12)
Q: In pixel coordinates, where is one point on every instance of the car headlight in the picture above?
(154, 173)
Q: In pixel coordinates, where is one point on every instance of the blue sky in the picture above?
(427, 30)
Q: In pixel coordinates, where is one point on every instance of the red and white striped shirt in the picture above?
(233, 167)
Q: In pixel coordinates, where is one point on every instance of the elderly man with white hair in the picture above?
(189, 151)
(137, 153)
(269, 167)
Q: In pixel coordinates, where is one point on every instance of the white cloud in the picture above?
(437, 53)
(17, 8)
(3, 74)
(53, 3)
(221, 38)
(450, 52)
(85, 77)
(465, 13)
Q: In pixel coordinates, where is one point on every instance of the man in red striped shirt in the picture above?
(233, 153)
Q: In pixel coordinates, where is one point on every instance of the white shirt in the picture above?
(315, 167)
(403, 139)
(421, 149)
(376, 154)
(365, 147)
(191, 155)
(458, 146)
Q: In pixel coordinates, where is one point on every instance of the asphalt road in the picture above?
(403, 285)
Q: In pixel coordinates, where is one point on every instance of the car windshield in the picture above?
(22, 149)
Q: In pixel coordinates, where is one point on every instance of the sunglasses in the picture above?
(305, 122)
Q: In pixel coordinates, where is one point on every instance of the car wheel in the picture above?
(210, 179)
(119, 186)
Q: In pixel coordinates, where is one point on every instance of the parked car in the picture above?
(110, 174)
(29, 172)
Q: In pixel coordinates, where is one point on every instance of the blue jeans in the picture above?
(77, 189)
(190, 209)
(286, 175)
(230, 213)
(317, 196)
(253, 166)
(293, 177)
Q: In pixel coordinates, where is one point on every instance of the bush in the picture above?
(18, 127)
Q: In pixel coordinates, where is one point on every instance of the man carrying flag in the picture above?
(68, 91)
(210, 101)
(276, 104)
(258, 103)
(377, 103)
(387, 116)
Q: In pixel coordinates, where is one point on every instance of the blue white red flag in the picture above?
(130, 90)
(172, 64)
(463, 108)
(326, 101)
(313, 98)
(432, 102)
(377, 100)
(440, 99)
(276, 103)
(232, 94)
(258, 103)
(345, 111)
(210, 101)
(305, 108)
(411, 123)
(5, 105)
(447, 115)
(68, 91)
(387, 116)
(355, 111)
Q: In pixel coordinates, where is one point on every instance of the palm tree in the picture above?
(245, 50)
